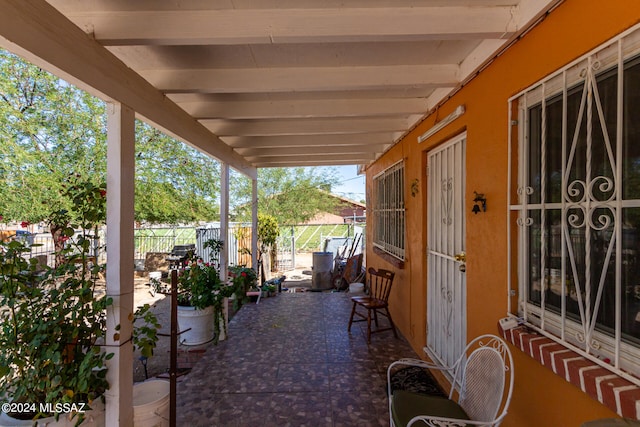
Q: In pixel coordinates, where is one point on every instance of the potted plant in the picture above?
(48, 337)
(243, 279)
(201, 299)
(215, 247)
(53, 322)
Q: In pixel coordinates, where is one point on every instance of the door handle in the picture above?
(462, 259)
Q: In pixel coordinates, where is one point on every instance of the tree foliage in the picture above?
(268, 230)
(174, 182)
(290, 195)
(51, 130)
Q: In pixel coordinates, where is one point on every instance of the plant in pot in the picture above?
(201, 299)
(215, 246)
(243, 279)
(268, 232)
(53, 320)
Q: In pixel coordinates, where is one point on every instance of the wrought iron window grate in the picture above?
(388, 210)
(578, 203)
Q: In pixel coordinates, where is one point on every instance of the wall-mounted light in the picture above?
(479, 198)
(415, 187)
(442, 123)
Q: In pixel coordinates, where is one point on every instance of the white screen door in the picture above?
(446, 295)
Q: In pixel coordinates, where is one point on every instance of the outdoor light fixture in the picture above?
(479, 198)
(415, 187)
(442, 123)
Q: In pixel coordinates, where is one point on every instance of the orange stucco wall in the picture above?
(577, 26)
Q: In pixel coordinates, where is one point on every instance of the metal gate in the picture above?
(286, 249)
(446, 294)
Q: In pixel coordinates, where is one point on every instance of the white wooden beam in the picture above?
(120, 217)
(258, 26)
(300, 79)
(305, 126)
(285, 163)
(285, 141)
(43, 36)
(312, 157)
(252, 153)
(304, 108)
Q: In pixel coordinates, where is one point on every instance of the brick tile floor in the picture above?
(289, 361)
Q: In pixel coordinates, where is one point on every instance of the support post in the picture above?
(120, 247)
(254, 224)
(224, 233)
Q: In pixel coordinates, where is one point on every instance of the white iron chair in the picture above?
(480, 394)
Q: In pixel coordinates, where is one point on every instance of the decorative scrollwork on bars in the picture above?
(580, 337)
(595, 344)
(583, 72)
(577, 219)
(447, 314)
(525, 222)
(604, 185)
(447, 199)
(527, 190)
(576, 191)
(602, 221)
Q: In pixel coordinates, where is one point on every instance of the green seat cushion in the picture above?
(407, 405)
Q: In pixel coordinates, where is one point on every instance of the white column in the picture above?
(120, 216)
(254, 224)
(224, 231)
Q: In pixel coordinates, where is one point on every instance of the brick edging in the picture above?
(603, 385)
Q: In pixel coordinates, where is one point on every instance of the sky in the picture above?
(351, 184)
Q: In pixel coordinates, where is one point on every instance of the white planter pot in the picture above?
(151, 404)
(200, 322)
(92, 418)
(150, 409)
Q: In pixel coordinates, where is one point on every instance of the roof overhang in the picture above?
(267, 83)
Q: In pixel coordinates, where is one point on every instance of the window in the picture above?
(388, 210)
(578, 205)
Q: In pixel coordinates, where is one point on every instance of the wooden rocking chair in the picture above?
(377, 302)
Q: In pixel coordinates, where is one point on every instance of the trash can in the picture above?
(321, 277)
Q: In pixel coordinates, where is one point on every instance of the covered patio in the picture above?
(289, 361)
(260, 84)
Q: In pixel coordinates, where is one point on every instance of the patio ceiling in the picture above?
(271, 83)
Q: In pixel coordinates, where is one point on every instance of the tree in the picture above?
(51, 130)
(268, 232)
(174, 182)
(290, 195)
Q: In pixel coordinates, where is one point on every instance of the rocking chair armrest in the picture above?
(419, 363)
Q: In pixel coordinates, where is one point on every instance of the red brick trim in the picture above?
(613, 391)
